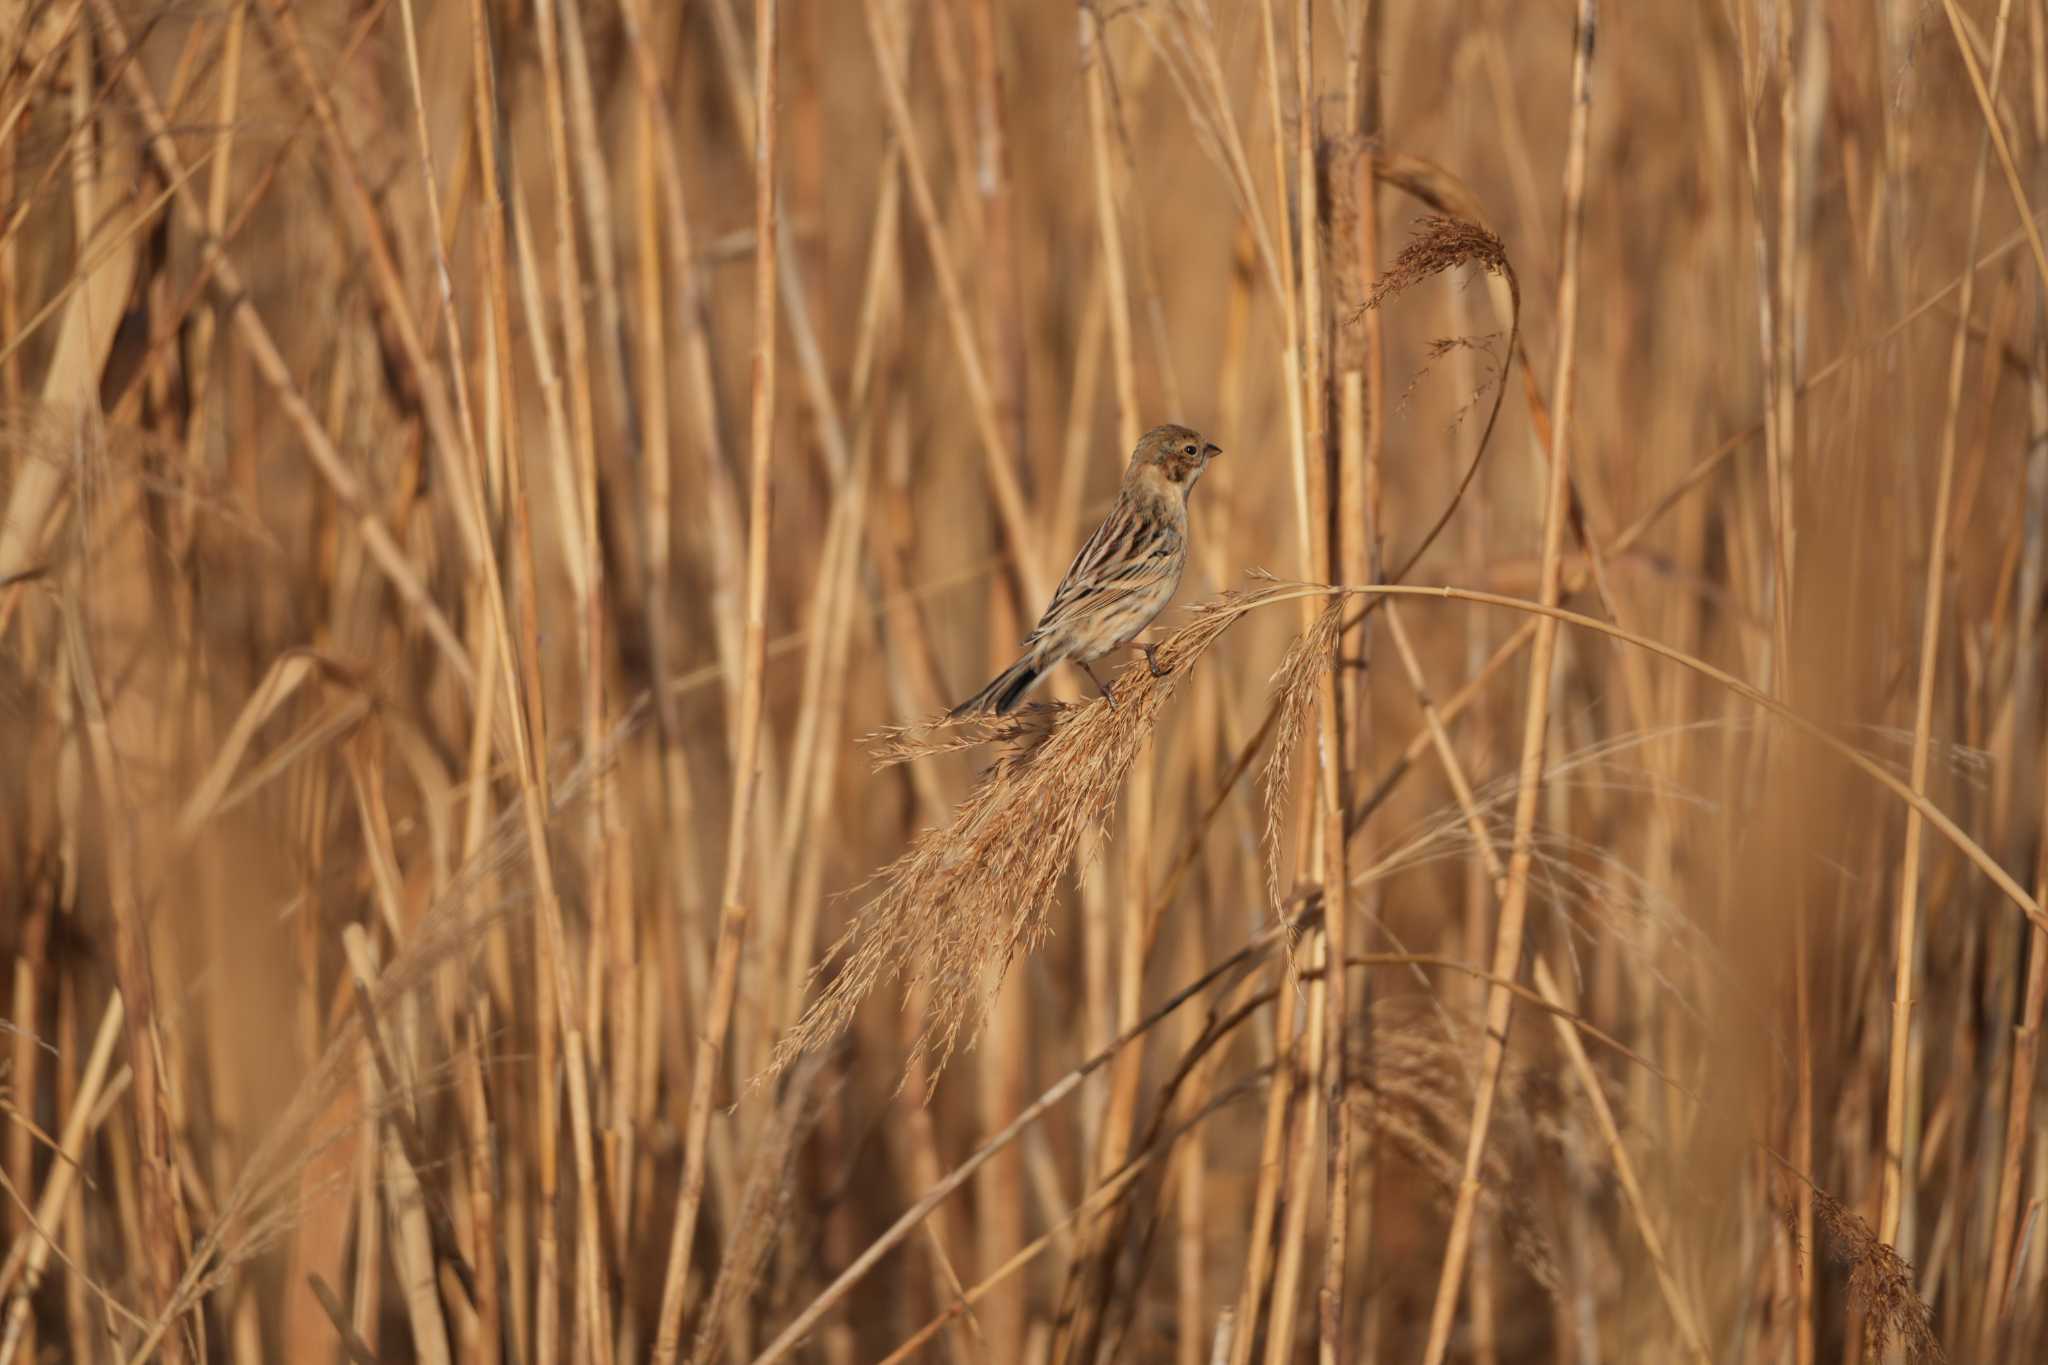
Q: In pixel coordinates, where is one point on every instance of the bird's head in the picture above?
(1174, 455)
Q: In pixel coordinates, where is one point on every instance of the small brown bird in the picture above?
(1123, 577)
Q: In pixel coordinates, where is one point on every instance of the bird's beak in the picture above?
(1211, 450)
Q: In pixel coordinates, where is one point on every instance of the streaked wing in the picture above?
(1129, 555)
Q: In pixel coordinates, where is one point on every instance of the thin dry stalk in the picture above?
(29, 1257)
(1624, 1168)
(1906, 946)
(163, 1250)
(481, 1160)
(2019, 1109)
(1000, 460)
(399, 1179)
(1258, 1260)
(1089, 1289)
(733, 919)
(801, 1326)
(1309, 1121)
(1877, 771)
(1549, 996)
(1514, 903)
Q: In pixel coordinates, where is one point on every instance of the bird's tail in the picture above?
(1004, 691)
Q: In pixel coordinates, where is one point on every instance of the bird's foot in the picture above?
(1107, 695)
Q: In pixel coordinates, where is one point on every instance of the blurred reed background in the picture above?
(475, 471)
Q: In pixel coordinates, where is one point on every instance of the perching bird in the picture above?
(1123, 577)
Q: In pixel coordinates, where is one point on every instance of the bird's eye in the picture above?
(1187, 450)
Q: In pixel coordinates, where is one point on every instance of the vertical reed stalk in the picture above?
(733, 919)
(1906, 944)
(1507, 954)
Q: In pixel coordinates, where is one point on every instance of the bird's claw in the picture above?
(1106, 694)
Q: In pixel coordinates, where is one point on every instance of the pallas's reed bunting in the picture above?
(1123, 577)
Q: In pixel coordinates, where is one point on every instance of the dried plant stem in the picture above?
(1102, 161)
(1356, 556)
(1000, 460)
(1906, 947)
(1265, 1199)
(691, 309)
(25, 1075)
(733, 920)
(1624, 1169)
(411, 1247)
(1127, 943)
(1514, 903)
(481, 1160)
(270, 364)
(1987, 104)
(1763, 701)
(1551, 998)
(2019, 1107)
(527, 726)
(1329, 1030)
(578, 470)
(30, 1254)
(801, 1326)
(163, 1249)
(1309, 1121)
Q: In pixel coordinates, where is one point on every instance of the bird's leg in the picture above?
(1106, 695)
(1151, 653)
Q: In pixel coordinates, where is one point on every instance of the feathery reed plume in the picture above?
(766, 1202)
(1416, 1096)
(1443, 243)
(1295, 691)
(1440, 243)
(958, 907)
(1880, 1283)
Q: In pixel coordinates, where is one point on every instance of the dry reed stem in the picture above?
(575, 474)
(1361, 444)
(1265, 1198)
(1624, 1169)
(995, 447)
(1329, 1031)
(1906, 947)
(1784, 325)
(162, 1249)
(1508, 941)
(399, 1175)
(2019, 1106)
(1306, 1121)
(1550, 997)
(1811, 729)
(1995, 129)
(1088, 1282)
(528, 740)
(263, 350)
(804, 1322)
(28, 1258)
(733, 918)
